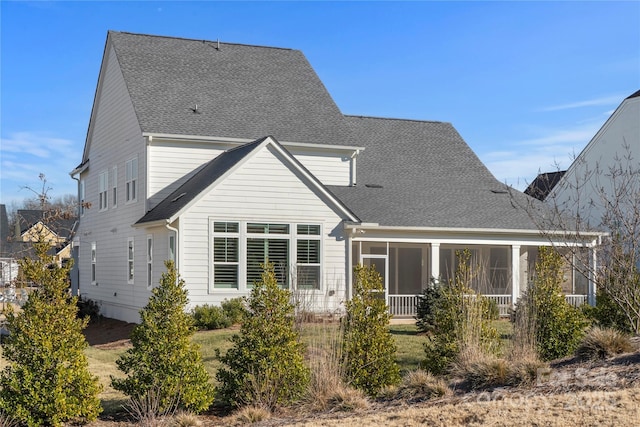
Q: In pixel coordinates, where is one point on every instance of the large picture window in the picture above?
(241, 249)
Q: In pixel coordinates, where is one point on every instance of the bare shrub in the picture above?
(149, 410)
(421, 384)
(185, 419)
(600, 343)
(252, 414)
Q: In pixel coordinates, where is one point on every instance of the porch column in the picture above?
(591, 298)
(435, 260)
(515, 274)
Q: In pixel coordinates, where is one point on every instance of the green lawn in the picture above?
(409, 354)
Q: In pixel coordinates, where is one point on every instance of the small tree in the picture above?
(265, 366)
(456, 319)
(369, 350)
(47, 381)
(557, 326)
(163, 360)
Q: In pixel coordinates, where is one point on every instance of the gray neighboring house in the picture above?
(221, 156)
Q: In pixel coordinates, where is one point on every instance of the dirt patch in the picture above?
(108, 333)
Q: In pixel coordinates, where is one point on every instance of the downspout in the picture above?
(75, 279)
(175, 230)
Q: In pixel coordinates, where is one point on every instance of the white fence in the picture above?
(405, 305)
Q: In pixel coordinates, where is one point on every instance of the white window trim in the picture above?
(243, 235)
(103, 190)
(131, 180)
(114, 187)
(149, 269)
(82, 197)
(94, 263)
(317, 237)
(131, 264)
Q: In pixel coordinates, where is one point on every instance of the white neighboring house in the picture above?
(611, 156)
(220, 156)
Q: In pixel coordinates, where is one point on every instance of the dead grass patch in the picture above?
(601, 343)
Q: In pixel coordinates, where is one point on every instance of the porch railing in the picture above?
(405, 305)
(576, 300)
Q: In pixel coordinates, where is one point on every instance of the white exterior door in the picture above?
(381, 264)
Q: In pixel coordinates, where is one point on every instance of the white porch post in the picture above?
(515, 274)
(435, 260)
(591, 298)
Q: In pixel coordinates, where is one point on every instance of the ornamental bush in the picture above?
(265, 365)
(455, 319)
(163, 360)
(47, 381)
(557, 326)
(369, 351)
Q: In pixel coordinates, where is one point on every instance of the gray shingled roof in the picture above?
(241, 91)
(429, 178)
(206, 175)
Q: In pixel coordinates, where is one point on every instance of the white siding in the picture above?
(590, 170)
(262, 189)
(114, 138)
(172, 162)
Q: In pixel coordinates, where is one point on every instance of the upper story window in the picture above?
(81, 191)
(103, 185)
(94, 261)
(114, 186)
(131, 183)
(130, 260)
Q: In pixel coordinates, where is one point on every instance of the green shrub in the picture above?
(208, 317)
(368, 353)
(163, 360)
(557, 326)
(426, 307)
(88, 308)
(265, 366)
(47, 381)
(235, 309)
(607, 314)
(458, 318)
(601, 343)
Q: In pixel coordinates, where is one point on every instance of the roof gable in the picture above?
(212, 172)
(197, 87)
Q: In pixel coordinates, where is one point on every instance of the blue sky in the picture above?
(525, 83)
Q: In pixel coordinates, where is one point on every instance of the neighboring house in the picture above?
(8, 263)
(543, 184)
(612, 156)
(221, 156)
(33, 225)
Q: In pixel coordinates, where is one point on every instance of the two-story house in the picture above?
(221, 156)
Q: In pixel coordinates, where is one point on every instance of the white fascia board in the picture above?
(83, 167)
(486, 231)
(352, 149)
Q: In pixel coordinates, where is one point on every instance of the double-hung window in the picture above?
(94, 259)
(308, 256)
(130, 260)
(267, 243)
(225, 255)
(114, 186)
(149, 261)
(103, 182)
(131, 182)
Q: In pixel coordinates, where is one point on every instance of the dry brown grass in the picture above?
(251, 415)
(600, 343)
(419, 385)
